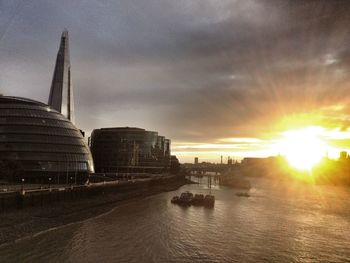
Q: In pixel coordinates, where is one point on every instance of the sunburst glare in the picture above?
(303, 148)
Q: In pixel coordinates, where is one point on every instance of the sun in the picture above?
(303, 148)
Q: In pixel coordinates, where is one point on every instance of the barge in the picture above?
(187, 199)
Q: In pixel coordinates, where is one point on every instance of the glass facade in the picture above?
(129, 149)
(41, 143)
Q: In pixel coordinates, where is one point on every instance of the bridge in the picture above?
(205, 169)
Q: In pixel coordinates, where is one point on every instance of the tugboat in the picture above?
(209, 200)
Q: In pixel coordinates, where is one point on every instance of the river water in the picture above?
(280, 222)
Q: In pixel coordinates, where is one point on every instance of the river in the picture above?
(280, 222)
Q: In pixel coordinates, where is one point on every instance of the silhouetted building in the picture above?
(126, 149)
(195, 160)
(254, 161)
(61, 92)
(39, 142)
(343, 155)
(174, 164)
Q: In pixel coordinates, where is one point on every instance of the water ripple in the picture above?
(275, 224)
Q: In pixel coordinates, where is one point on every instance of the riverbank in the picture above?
(27, 222)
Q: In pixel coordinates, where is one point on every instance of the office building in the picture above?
(126, 149)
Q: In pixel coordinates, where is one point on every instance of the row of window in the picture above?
(38, 156)
(39, 130)
(108, 140)
(115, 168)
(152, 136)
(122, 149)
(127, 162)
(31, 113)
(24, 106)
(39, 147)
(117, 160)
(54, 166)
(34, 138)
(130, 145)
(36, 122)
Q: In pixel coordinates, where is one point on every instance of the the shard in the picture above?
(61, 93)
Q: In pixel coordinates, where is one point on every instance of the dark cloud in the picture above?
(194, 70)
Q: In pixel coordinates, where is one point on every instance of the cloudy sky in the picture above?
(217, 77)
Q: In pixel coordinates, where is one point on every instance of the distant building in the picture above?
(343, 155)
(195, 160)
(254, 161)
(126, 149)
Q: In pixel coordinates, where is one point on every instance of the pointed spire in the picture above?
(61, 93)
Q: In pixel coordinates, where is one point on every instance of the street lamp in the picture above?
(71, 180)
(50, 184)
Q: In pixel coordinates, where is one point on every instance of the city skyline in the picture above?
(233, 79)
(175, 131)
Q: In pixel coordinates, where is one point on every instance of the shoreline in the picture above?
(18, 225)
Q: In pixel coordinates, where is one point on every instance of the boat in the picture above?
(175, 199)
(209, 200)
(243, 194)
(186, 198)
(198, 199)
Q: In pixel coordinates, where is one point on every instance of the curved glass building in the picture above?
(41, 143)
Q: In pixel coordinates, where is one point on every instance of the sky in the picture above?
(216, 77)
